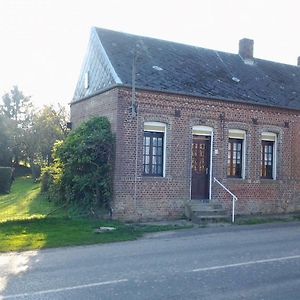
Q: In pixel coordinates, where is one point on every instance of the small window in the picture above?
(268, 156)
(236, 153)
(235, 158)
(153, 149)
(267, 159)
(86, 80)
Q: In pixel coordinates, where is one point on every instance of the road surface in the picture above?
(235, 262)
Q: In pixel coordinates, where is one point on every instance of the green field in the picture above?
(25, 223)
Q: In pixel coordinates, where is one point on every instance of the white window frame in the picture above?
(241, 135)
(158, 127)
(271, 136)
(86, 80)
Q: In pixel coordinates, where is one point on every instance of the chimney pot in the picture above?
(246, 49)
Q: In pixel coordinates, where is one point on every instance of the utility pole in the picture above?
(133, 96)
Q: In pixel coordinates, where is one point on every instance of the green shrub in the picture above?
(82, 171)
(5, 179)
(45, 179)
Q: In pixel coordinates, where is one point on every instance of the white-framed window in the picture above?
(154, 149)
(86, 80)
(268, 155)
(236, 155)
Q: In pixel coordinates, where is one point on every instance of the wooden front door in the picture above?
(200, 167)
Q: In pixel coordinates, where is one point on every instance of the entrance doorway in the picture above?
(200, 167)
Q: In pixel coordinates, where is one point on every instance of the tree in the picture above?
(16, 106)
(18, 109)
(48, 126)
(5, 153)
(29, 134)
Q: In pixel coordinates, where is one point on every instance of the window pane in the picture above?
(148, 141)
(146, 169)
(267, 159)
(154, 150)
(153, 153)
(235, 147)
(159, 169)
(153, 169)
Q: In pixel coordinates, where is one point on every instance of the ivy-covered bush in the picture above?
(82, 169)
(5, 179)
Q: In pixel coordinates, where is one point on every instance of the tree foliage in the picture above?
(5, 152)
(82, 169)
(28, 134)
(48, 126)
(17, 110)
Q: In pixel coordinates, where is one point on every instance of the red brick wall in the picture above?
(139, 197)
(100, 105)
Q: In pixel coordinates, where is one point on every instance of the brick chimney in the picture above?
(246, 49)
(298, 64)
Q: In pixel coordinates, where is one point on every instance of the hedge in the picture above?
(5, 179)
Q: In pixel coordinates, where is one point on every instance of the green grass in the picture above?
(25, 224)
(25, 201)
(255, 220)
(59, 232)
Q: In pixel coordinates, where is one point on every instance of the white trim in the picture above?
(236, 134)
(159, 127)
(275, 159)
(272, 137)
(210, 163)
(240, 134)
(202, 130)
(112, 69)
(207, 131)
(244, 157)
(268, 136)
(154, 126)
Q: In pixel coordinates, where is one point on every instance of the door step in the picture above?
(201, 213)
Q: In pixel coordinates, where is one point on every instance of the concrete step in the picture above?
(207, 209)
(210, 219)
(201, 212)
(220, 212)
(204, 206)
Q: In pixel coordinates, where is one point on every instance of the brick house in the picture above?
(184, 115)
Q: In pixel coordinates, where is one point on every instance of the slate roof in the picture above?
(173, 67)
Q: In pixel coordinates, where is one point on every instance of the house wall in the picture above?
(138, 197)
(104, 104)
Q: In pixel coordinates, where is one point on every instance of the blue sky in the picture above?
(43, 42)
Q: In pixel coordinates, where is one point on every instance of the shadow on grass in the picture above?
(40, 233)
(25, 201)
(25, 223)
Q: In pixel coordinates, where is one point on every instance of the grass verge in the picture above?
(255, 220)
(43, 233)
(25, 224)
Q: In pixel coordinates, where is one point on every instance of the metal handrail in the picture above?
(234, 197)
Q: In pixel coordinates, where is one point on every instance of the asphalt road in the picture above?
(239, 262)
